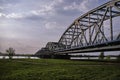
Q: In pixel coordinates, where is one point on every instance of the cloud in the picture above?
(14, 15)
(12, 12)
(30, 14)
(2, 15)
(45, 10)
(11, 15)
(1, 8)
(51, 25)
(82, 6)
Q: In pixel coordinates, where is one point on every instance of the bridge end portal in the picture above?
(49, 51)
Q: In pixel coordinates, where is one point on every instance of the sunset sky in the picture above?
(27, 25)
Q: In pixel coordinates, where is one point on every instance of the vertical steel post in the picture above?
(111, 25)
(103, 32)
(89, 30)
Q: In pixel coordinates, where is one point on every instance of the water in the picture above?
(91, 58)
(18, 57)
(25, 57)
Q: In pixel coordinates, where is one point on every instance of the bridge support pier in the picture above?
(45, 56)
(55, 56)
(60, 56)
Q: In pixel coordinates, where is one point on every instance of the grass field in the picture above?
(53, 69)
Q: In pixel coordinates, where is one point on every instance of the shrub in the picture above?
(10, 52)
(101, 56)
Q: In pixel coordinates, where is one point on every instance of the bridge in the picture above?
(94, 31)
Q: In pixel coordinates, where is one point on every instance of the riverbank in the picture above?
(54, 69)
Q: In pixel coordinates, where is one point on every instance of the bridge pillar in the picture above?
(45, 56)
(61, 56)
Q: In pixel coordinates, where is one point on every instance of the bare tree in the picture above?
(10, 52)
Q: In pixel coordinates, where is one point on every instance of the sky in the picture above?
(27, 25)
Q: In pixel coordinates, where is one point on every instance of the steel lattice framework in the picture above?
(89, 28)
(89, 33)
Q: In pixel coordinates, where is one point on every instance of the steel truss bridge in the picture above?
(91, 32)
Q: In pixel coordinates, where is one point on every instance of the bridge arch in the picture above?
(89, 29)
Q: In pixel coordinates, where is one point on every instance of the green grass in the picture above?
(53, 69)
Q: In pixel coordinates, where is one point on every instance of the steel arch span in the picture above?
(89, 29)
(90, 33)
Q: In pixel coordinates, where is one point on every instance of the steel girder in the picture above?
(51, 46)
(89, 28)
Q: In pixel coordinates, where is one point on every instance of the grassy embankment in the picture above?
(50, 69)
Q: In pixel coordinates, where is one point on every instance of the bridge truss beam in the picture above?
(89, 29)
